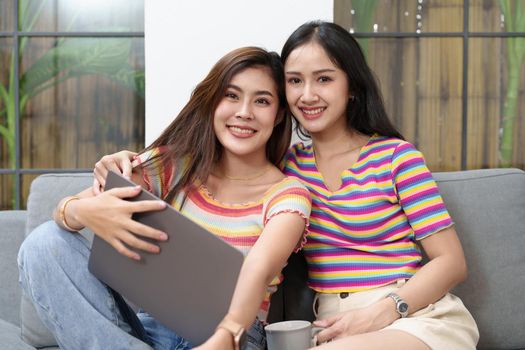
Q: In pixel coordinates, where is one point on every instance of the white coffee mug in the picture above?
(291, 335)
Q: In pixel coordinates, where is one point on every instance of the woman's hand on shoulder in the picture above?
(119, 162)
(109, 216)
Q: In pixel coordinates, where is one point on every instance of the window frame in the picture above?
(16, 35)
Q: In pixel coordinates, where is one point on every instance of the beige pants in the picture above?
(446, 324)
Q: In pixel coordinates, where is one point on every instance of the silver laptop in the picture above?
(188, 286)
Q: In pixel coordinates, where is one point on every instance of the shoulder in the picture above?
(385, 144)
(300, 149)
(289, 189)
(287, 185)
(287, 196)
(389, 149)
(149, 155)
(161, 170)
(298, 153)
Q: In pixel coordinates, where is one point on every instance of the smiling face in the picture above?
(244, 118)
(316, 89)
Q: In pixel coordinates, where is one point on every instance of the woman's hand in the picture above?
(357, 321)
(119, 162)
(221, 339)
(109, 216)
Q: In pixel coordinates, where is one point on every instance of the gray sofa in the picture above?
(488, 207)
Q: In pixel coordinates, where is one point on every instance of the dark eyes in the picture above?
(322, 79)
(234, 96)
(262, 101)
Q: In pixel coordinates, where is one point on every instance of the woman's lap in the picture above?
(444, 324)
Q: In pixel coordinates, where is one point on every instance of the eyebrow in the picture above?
(320, 71)
(258, 92)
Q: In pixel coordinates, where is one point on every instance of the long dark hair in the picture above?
(191, 136)
(366, 112)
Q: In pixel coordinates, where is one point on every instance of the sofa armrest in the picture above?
(12, 232)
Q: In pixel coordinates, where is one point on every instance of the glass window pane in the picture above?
(7, 111)
(496, 16)
(496, 103)
(421, 81)
(7, 191)
(6, 15)
(82, 15)
(368, 16)
(81, 98)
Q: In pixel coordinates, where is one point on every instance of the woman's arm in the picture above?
(445, 269)
(108, 215)
(264, 262)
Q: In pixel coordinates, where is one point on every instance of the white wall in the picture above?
(184, 38)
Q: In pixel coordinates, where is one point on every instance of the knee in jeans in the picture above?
(40, 246)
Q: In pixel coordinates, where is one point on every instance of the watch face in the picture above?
(402, 307)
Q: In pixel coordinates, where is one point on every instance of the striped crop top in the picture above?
(364, 235)
(238, 224)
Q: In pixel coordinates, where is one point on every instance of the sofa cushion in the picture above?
(488, 207)
(10, 335)
(11, 236)
(47, 190)
(45, 193)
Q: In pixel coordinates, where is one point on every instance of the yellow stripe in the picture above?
(360, 258)
(360, 273)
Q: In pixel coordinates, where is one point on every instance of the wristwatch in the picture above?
(236, 330)
(401, 305)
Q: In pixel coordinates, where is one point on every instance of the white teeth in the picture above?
(242, 131)
(313, 111)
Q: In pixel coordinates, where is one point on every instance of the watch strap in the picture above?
(401, 304)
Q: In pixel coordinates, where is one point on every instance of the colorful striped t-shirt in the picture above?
(238, 224)
(364, 234)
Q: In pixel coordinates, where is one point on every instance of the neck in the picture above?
(230, 166)
(327, 145)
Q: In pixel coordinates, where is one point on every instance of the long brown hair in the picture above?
(191, 136)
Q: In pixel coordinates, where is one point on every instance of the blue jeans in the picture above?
(76, 307)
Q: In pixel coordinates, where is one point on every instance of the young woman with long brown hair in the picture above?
(218, 156)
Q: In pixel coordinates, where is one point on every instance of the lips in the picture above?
(312, 112)
(241, 131)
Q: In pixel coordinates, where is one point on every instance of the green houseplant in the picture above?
(513, 13)
(69, 58)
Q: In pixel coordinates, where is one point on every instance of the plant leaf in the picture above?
(77, 56)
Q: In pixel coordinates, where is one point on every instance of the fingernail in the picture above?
(163, 236)
(136, 257)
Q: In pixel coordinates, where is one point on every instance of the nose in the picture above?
(244, 111)
(309, 95)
